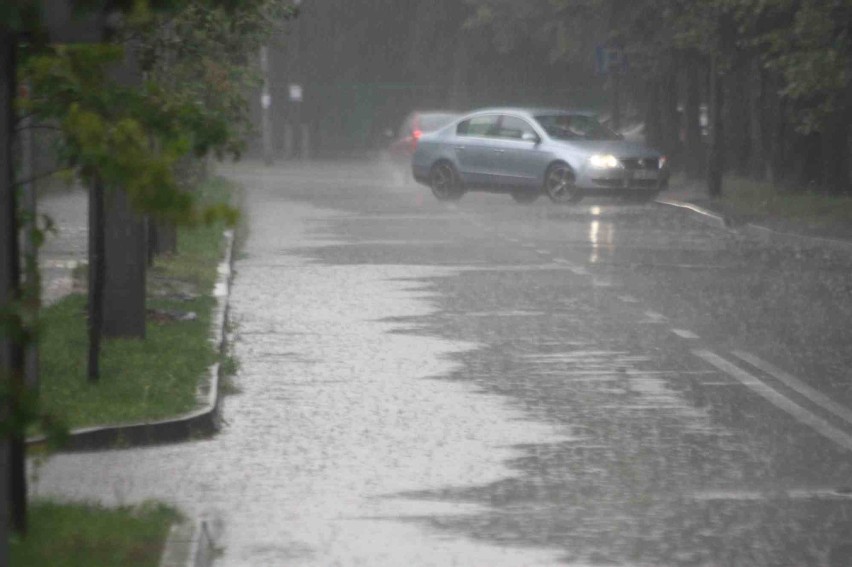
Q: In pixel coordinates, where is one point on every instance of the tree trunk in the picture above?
(14, 482)
(737, 139)
(653, 127)
(163, 237)
(835, 153)
(458, 95)
(715, 157)
(692, 115)
(126, 259)
(777, 133)
(757, 166)
(97, 271)
(670, 115)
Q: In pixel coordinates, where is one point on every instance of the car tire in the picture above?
(445, 182)
(559, 184)
(525, 197)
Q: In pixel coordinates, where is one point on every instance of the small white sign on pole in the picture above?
(295, 93)
(266, 100)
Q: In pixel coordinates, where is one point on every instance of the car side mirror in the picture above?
(530, 137)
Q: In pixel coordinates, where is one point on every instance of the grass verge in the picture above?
(72, 535)
(145, 379)
(751, 198)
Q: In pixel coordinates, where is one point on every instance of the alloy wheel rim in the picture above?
(559, 183)
(442, 180)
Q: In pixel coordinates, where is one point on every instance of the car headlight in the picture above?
(600, 161)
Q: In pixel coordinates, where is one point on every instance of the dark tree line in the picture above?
(762, 89)
(779, 72)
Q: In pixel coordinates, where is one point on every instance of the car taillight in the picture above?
(415, 135)
(662, 162)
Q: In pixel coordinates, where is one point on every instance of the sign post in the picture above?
(611, 61)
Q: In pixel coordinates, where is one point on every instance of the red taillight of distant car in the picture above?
(415, 135)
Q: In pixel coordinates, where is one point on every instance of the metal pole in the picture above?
(266, 106)
(616, 98)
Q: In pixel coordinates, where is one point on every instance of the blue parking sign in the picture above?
(610, 59)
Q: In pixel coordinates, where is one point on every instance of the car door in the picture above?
(473, 149)
(519, 159)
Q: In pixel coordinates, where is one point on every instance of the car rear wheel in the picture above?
(525, 197)
(444, 182)
(560, 184)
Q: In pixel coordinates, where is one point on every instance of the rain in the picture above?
(519, 283)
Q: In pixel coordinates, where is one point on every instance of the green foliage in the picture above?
(807, 43)
(124, 136)
(760, 199)
(149, 379)
(75, 535)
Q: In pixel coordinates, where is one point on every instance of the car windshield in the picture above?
(575, 127)
(430, 122)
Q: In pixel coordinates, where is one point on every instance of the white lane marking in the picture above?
(542, 252)
(684, 334)
(797, 493)
(628, 299)
(777, 399)
(562, 261)
(656, 317)
(579, 270)
(601, 283)
(794, 383)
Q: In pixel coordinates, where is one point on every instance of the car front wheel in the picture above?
(560, 184)
(444, 182)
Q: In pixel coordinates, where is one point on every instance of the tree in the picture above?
(111, 136)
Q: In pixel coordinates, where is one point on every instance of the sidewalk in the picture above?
(66, 248)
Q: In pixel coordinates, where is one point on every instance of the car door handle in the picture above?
(499, 151)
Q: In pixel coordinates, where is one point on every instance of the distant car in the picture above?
(564, 154)
(413, 127)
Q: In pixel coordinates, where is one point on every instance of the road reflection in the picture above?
(601, 237)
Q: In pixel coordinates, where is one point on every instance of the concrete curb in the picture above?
(201, 421)
(189, 544)
(760, 232)
(706, 216)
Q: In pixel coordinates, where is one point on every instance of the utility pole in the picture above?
(616, 98)
(266, 107)
(715, 157)
(301, 134)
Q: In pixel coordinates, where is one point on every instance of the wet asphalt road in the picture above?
(488, 384)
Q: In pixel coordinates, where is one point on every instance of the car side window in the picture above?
(477, 126)
(514, 128)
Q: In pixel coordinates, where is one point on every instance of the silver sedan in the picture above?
(526, 152)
